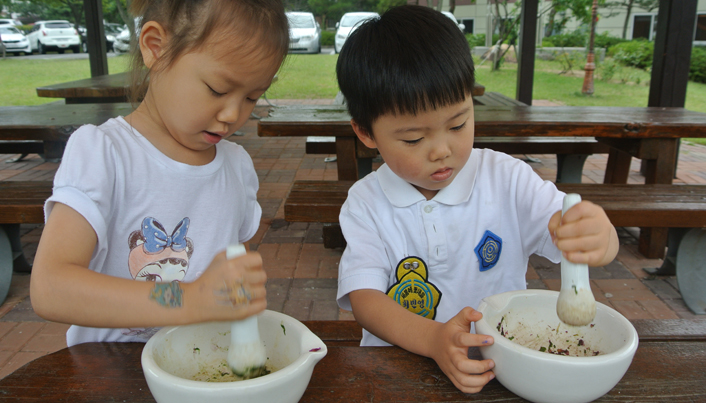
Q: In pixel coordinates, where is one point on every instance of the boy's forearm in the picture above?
(386, 319)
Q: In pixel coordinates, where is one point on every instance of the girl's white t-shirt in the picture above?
(156, 219)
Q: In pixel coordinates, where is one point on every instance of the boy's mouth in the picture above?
(442, 174)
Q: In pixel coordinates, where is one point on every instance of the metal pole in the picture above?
(590, 65)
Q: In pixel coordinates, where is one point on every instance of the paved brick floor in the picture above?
(303, 274)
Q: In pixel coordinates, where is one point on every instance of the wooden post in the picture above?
(95, 36)
(590, 65)
(670, 75)
(526, 51)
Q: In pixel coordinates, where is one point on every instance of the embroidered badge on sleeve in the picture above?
(412, 290)
(488, 250)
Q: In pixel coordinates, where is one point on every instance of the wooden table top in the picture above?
(670, 365)
(106, 86)
(511, 121)
(117, 85)
(54, 121)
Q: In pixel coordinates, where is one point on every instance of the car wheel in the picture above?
(76, 49)
(41, 49)
(61, 51)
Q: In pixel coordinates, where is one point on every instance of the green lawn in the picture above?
(313, 77)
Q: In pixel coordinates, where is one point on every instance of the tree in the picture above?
(628, 5)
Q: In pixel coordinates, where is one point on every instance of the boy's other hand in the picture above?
(584, 234)
(451, 352)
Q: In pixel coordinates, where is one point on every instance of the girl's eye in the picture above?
(412, 142)
(214, 92)
(252, 101)
(459, 127)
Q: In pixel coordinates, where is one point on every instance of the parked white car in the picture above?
(56, 35)
(461, 26)
(122, 41)
(14, 40)
(10, 21)
(304, 33)
(348, 23)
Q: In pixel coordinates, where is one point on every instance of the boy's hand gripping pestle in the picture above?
(246, 354)
(576, 305)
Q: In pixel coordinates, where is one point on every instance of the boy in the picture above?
(440, 225)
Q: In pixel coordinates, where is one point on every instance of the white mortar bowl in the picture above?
(543, 377)
(174, 355)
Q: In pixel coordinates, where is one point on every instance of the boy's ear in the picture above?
(153, 39)
(363, 135)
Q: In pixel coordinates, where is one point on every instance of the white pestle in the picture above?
(246, 354)
(576, 305)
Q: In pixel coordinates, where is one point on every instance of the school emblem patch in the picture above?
(488, 250)
(413, 290)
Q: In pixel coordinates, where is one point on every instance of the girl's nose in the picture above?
(229, 113)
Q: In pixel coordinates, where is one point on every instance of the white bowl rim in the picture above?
(148, 362)
(629, 347)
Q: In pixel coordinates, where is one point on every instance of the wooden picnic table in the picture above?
(669, 365)
(650, 133)
(100, 89)
(115, 88)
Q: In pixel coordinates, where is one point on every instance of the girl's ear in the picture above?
(153, 39)
(363, 135)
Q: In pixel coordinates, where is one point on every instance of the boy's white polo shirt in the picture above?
(426, 254)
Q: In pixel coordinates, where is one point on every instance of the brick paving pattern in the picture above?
(302, 274)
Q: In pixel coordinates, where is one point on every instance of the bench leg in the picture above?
(20, 264)
(333, 236)
(570, 167)
(691, 270)
(365, 166)
(53, 151)
(5, 265)
(669, 265)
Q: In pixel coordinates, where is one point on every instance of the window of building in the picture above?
(469, 25)
(643, 26)
(700, 28)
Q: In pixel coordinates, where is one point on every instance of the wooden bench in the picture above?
(20, 203)
(682, 208)
(496, 99)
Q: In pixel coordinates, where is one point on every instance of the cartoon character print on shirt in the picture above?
(157, 256)
(413, 290)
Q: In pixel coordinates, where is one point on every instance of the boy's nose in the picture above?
(440, 152)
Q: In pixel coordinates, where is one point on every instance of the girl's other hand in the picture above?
(451, 352)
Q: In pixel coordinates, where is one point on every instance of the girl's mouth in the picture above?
(211, 137)
(442, 174)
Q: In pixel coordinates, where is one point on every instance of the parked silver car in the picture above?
(14, 40)
(304, 33)
(54, 35)
(347, 24)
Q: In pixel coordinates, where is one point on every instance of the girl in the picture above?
(157, 196)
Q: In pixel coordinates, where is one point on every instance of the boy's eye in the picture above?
(459, 127)
(253, 101)
(412, 141)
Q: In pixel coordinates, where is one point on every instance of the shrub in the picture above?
(475, 40)
(607, 69)
(604, 40)
(576, 39)
(636, 53)
(327, 38)
(697, 69)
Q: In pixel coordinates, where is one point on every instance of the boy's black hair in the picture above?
(409, 60)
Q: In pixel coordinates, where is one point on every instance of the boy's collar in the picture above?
(402, 194)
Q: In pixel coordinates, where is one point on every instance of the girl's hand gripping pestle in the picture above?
(576, 305)
(246, 354)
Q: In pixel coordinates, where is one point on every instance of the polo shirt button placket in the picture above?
(435, 237)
